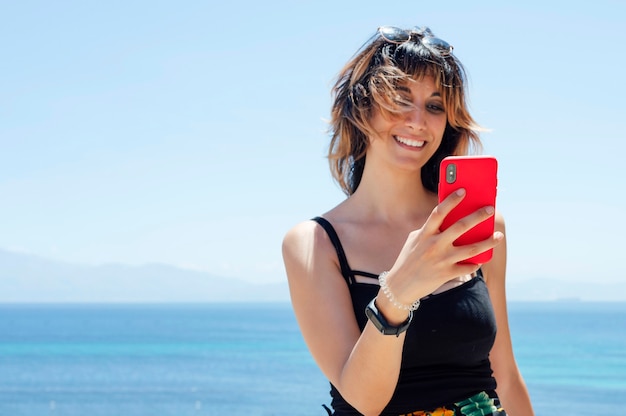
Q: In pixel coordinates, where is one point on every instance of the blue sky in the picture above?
(193, 134)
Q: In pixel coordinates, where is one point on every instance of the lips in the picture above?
(410, 142)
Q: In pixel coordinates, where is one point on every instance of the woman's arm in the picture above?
(363, 367)
(511, 387)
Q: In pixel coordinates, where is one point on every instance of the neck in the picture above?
(393, 195)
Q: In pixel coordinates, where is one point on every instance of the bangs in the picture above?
(398, 65)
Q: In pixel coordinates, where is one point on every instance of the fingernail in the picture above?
(490, 210)
(498, 235)
(460, 192)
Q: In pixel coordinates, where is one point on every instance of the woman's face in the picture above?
(411, 138)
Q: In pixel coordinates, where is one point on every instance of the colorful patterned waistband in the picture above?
(478, 405)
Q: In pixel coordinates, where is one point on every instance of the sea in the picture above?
(250, 359)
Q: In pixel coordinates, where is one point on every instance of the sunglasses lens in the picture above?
(397, 35)
(423, 31)
(394, 34)
(435, 43)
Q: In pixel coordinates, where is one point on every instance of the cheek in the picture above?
(378, 123)
(380, 128)
(440, 128)
(438, 131)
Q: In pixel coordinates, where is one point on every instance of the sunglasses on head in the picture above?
(425, 36)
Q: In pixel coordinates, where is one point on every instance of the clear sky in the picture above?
(192, 133)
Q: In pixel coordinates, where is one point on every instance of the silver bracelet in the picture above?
(382, 279)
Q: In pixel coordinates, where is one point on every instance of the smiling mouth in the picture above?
(409, 142)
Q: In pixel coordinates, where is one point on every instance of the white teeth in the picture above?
(409, 142)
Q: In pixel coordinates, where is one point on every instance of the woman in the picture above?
(391, 317)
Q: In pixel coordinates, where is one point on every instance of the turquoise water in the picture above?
(220, 359)
(573, 355)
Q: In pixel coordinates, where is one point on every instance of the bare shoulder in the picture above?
(499, 220)
(305, 237)
(495, 270)
(305, 247)
(298, 236)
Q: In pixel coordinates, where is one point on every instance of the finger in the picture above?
(434, 221)
(470, 250)
(468, 222)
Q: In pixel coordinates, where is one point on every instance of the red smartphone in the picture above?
(478, 176)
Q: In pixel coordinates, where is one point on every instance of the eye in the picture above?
(403, 95)
(435, 108)
(403, 102)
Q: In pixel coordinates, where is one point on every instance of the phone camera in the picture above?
(451, 173)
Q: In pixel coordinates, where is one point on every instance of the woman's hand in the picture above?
(428, 258)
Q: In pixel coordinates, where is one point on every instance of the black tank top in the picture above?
(446, 350)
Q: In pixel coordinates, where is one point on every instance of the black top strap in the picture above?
(346, 272)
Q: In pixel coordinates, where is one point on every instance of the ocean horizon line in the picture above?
(270, 302)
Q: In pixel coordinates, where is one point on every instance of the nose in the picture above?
(416, 118)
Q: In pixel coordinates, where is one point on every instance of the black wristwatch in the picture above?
(379, 321)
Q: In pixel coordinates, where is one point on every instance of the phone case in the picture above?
(478, 176)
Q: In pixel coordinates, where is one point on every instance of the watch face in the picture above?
(374, 317)
(381, 323)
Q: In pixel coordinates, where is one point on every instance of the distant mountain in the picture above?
(538, 289)
(28, 278)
